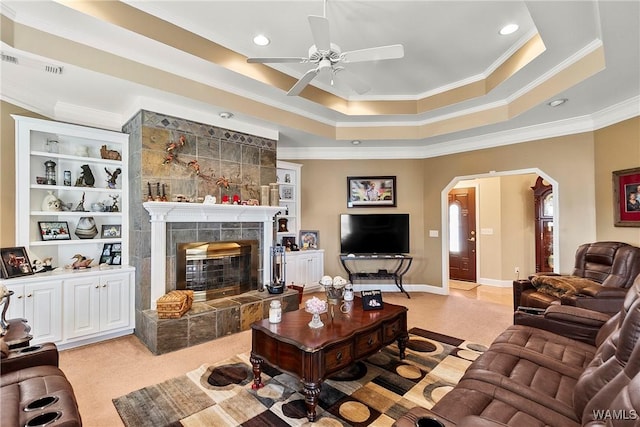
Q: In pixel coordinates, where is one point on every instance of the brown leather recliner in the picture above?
(33, 390)
(610, 266)
(533, 377)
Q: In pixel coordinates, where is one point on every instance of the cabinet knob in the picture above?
(97, 286)
(29, 295)
(370, 341)
(339, 355)
(104, 286)
(20, 296)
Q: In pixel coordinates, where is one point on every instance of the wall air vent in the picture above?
(32, 63)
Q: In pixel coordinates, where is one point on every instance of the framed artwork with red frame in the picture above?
(626, 197)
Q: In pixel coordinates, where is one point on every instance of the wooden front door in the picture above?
(462, 234)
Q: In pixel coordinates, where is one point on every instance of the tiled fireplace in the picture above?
(246, 162)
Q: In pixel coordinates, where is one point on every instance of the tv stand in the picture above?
(403, 263)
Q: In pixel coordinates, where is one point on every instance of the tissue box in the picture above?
(174, 304)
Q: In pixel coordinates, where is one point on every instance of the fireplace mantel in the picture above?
(163, 212)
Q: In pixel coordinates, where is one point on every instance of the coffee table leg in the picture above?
(256, 362)
(402, 345)
(311, 393)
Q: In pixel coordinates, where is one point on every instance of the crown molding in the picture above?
(622, 111)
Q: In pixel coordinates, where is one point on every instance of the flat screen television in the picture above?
(374, 233)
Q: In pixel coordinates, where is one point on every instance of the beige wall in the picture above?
(324, 198)
(7, 171)
(617, 147)
(560, 158)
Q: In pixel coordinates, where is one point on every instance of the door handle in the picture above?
(471, 239)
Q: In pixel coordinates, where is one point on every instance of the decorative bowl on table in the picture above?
(315, 306)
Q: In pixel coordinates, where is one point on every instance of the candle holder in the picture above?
(50, 172)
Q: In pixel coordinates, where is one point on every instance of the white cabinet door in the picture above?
(304, 267)
(41, 305)
(114, 301)
(16, 303)
(43, 310)
(82, 306)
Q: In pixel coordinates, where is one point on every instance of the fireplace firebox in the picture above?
(217, 269)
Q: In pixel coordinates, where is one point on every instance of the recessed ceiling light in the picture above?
(355, 142)
(261, 40)
(557, 102)
(509, 29)
(225, 115)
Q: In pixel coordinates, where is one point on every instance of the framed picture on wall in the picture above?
(626, 197)
(371, 191)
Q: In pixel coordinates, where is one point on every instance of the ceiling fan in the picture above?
(327, 57)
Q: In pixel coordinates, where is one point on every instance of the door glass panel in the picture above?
(454, 228)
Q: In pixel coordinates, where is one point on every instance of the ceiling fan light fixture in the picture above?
(557, 102)
(261, 40)
(509, 29)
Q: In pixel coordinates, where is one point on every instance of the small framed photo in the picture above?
(111, 231)
(111, 254)
(289, 243)
(309, 239)
(371, 191)
(626, 197)
(15, 262)
(287, 192)
(54, 230)
(372, 300)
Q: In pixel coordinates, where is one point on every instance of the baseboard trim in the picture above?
(391, 287)
(496, 283)
(103, 337)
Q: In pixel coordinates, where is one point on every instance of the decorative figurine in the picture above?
(86, 178)
(109, 154)
(114, 205)
(51, 202)
(111, 182)
(81, 262)
(80, 207)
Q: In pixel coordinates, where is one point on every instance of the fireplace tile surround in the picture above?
(249, 161)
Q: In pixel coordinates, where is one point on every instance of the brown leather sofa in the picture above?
(34, 391)
(610, 267)
(534, 377)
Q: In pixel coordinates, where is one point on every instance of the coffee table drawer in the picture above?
(393, 329)
(339, 357)
(368, 342)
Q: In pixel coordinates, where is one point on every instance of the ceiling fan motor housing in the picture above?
(333, 55)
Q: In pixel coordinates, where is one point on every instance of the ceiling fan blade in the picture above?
(353, 81)
(393, 51)
(303, 82)
(277, 59)
(320, 31)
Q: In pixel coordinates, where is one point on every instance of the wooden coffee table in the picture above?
(314, 354)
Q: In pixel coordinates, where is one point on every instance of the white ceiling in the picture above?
(447, 44)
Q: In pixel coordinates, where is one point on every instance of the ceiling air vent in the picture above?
(32, 63)
(9, 58)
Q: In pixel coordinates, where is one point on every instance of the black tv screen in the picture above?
(374, 233)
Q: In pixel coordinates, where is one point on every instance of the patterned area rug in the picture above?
(375, 392)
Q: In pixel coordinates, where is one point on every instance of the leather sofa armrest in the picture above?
(571, 322)
(605, 300)
(477, 421)
(26, 357)
(520, 286)
(577, 315)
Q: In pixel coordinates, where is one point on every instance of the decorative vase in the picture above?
(86, 228)
(316, 322)
(51, 202)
